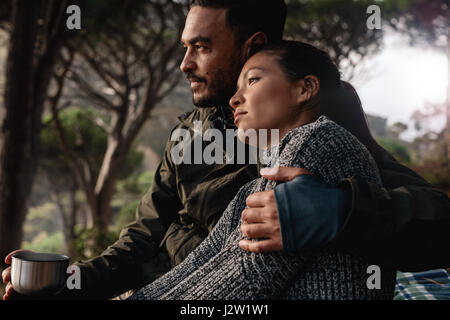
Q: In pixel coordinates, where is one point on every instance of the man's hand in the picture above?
(260, 219)
(6, 276)
(282, 173)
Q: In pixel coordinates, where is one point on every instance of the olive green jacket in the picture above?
(182, 206)
(400, 224)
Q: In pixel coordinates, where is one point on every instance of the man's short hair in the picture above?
(246, 17)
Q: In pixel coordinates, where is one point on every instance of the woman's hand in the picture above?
(260, 219)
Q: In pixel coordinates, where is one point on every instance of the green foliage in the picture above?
(44, 242)
(41, 218)
(145, 181)
(89, 141)
(137, 183)
(336, 26)
(82, 135)
(134, 187)
(85, 138)
(126, 215)
(133, 161)
(398, 150)
(92, 242)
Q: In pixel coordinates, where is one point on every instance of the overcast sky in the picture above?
(401, 79)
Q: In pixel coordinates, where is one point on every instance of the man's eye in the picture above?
(199, 47)
(252, 80)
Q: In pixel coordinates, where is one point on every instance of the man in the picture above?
(186, 200)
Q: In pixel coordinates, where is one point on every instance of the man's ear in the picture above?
(258, 39)
(307, 88)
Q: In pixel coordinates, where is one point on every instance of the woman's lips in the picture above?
(238, 115)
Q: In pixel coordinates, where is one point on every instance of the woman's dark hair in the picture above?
(338, 100)
(246, 17)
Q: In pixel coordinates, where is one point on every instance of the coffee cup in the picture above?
(34, 273)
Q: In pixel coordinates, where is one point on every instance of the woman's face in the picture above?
(265, 98)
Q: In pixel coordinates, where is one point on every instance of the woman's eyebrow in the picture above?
(253, 68)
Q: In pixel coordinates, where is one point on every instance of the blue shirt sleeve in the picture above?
(311, 213)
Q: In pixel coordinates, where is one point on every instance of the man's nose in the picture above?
(188, 64)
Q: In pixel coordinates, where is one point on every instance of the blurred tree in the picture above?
(426, 118)
(397, 149)
(430, 144)
(89, 142)
(397, 129)
(423, 146)
(45, 242)
(37, 33)
(430, 147)
(41, 218)
(425, 23)
(41, 47)
(377, 125)
(124, 72)
(336, 26)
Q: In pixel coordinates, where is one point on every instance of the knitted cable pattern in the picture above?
(219, 269)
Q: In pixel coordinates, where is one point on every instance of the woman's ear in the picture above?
(258, 39)
(307, 88)
(313, 84)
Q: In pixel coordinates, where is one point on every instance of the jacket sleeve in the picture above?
(190, 273)
(119, 267)
(404, 224)
(218, 270)
(233, 273)
(310, 212)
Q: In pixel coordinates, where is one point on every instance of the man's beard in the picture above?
(220, 90)
(221, 87)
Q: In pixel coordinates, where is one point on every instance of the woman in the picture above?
(282, 86)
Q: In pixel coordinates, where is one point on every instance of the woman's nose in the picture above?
(235, 100)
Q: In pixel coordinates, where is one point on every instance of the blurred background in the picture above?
(85, 114)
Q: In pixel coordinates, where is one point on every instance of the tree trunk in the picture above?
(17, 161)
(68, 216)
(28, 72)
(70, 234)
(114, 159)
(447, 124)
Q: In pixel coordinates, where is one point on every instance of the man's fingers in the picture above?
(260, 199)
(259, 230)
(259, 215)
(253, 215)
(6, 275)
(260, 246)
(8, 291)
(8, 258)
(282, 173)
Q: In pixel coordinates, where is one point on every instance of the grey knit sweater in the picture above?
(219, 269)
